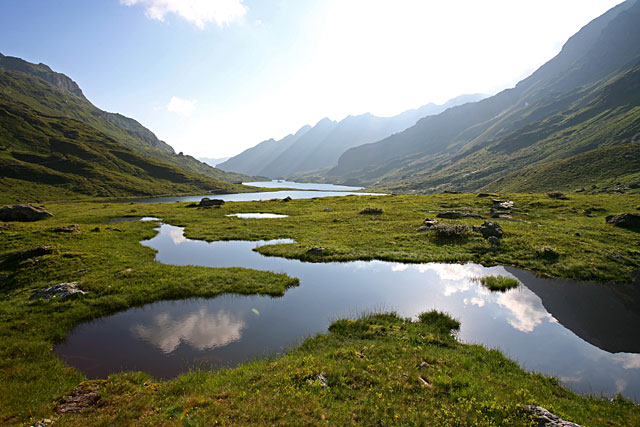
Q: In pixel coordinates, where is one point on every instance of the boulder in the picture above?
(489, 229)
(625, 220)
(287, 199)
(493, 240)
(457, 215)
(547, 253)
(24, 213)
(499, 204)
(61, 290)
(73, 228)
(430, 222)
(542, 417)
(486, 195)
(557, 195)
(320, 250)
(206, 202)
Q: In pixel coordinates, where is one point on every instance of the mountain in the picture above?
(320, 146)
(213, 162)
(55, 144)
(587, 98)
(73, 104)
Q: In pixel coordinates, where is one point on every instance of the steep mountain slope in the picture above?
(320, 146)
(45, 156)
(71, 103)
(583, 99)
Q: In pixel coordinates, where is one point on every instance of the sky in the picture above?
(215, 77)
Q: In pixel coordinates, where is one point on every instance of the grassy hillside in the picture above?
(586, 98)
(55, 94)
(46, 157)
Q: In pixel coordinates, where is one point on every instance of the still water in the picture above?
(301, 185)
(586, 334)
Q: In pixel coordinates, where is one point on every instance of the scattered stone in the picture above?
(73, 228)
(115, 229)
(486, 195)
(493, 240)
(580, 190)
(547, 253)
(625, 220)
(61, 290)
(499, 204)
(501, 215)
(545, 418)
(557, 195)
(457, 215)
(206, 202)
(318, 251)
(25, 213)
(125, 271)
(82, 397)
(634, 185)
(371, 211)
(82, 271)
(423, 228)
(450, 192)
(430, 222)
(424, 382)
(320, 378)
(95, 230)
(43, 423)
(577, 234)
(489, 229)
(328, 209)
(287, 199)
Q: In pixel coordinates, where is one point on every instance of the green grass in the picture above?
(499, 283)
(469, 383)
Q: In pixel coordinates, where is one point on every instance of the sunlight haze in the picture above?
(220, 76)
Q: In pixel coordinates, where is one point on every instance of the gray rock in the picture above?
(206, 202)
(486, 195)
(625, 220)
(489, 229)
(73, 228)
(493, 240)
(43, 423)
(457, 215)
(543, 417)
(501, 215)
(430, 222)
(328, 209)
(25, 213)
(423, 228)
(320, 250)
(61, 290)
(287, 199)
(96, 229)
(499, 204)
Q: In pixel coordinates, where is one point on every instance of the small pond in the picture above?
(586, 334)
(129, 219)
(257, 215)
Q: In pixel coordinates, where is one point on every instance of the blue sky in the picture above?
(214, 77)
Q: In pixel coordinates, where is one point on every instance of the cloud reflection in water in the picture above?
(200, 329)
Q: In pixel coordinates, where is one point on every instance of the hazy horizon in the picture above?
(213, 78)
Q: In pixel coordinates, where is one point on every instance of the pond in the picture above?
(586, 334)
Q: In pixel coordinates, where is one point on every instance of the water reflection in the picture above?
(257, 215)
(520, 322)
(201, 329)
(301, 185)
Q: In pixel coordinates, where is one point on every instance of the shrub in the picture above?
(450, 231)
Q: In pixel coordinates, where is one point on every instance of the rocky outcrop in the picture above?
(543, 418)
(26, 213)
(61, 290)
(625, 220)
(206, 202)
(489, 229)
(457, 215)
(73, 228)
(317, 251)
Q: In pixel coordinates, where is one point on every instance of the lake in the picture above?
(299, 191)
(584, 333)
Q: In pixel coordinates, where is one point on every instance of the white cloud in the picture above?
(198, 12)
(184, 107)
(201, 329)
